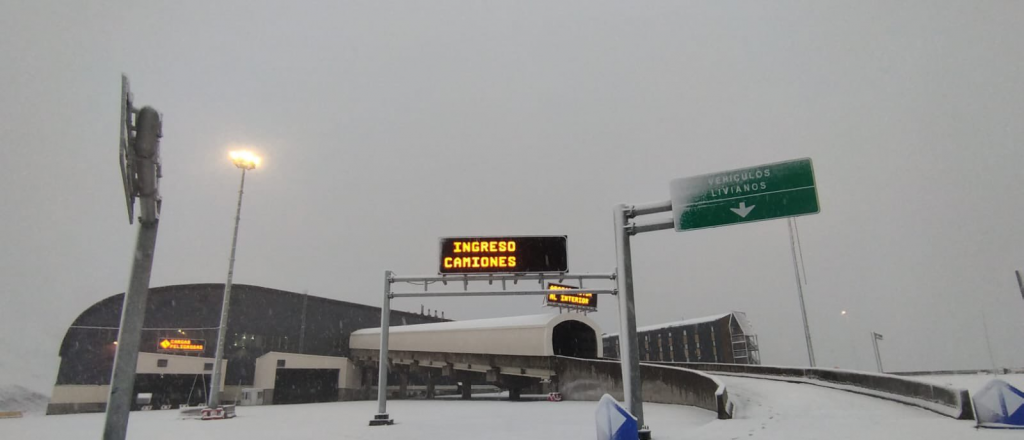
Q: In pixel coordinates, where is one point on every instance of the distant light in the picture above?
(843, 312)
(245, 159)
(115, 342)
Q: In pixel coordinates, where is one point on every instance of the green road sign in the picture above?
(765, 192)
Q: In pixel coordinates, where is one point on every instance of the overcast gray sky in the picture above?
(385, 125)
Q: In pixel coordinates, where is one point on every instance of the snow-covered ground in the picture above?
(766, 409)
(415, 419)
(972, 382)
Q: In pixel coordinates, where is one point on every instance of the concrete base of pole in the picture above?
(382, 420)
(645, 434)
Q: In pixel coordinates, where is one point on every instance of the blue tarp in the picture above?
(999, 405)
(613, 421)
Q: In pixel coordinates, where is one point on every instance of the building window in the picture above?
(247, 340)
(208, 366)
(280, 363)
(671, 351)
(696, 343)
(714, 344)
(661, 350)
(161, 363)
(686, 346)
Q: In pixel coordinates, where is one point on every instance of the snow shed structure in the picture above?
(261, 321)
(569, 334)
(514, 353)
(727, 338)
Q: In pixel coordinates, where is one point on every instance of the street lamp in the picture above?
(848, 328)
(875, 337)
(247, 161)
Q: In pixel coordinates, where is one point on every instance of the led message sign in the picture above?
(578, 300)
(175, 344)
(510, 254)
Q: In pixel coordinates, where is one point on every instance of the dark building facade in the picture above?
(261, 320)
(726, 338)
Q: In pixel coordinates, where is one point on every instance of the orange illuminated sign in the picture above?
(517, 254)
(174, 344)
(578, 300)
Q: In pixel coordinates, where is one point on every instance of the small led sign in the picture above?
(175, 344)
(509, 254)
(573, 300)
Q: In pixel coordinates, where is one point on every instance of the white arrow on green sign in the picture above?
(765, 192)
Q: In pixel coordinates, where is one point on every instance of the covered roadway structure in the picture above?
(513, 353)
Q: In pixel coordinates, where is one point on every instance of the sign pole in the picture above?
(382, 418)
(800, 294)
(133, 311)
(632, 390)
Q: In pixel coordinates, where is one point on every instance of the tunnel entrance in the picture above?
(574, 339)
(172, 389)
(305, 385)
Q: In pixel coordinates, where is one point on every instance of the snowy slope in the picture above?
(768, 409)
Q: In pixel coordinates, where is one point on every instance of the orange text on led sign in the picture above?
(484, 246)
(479, 262)
(181, 344)
(583, 299)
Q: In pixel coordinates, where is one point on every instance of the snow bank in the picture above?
(948, 401)
(19, 398)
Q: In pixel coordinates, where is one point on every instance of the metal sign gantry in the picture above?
(382, 417)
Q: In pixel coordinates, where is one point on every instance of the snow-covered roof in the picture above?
(743, 322)
(682, 323)
(530, 335)
(475, 324)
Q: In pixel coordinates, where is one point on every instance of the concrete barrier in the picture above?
(958, 372)
(589, 379)
(948, 401)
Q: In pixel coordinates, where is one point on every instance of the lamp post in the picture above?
(247, 161)
(875, 337)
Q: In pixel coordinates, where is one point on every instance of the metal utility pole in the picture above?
(629, 357)
(140, 165)
(875, 337)
(988, 343)
(382, 417)
(245, 161)
(800, 294)
(1020, 283)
